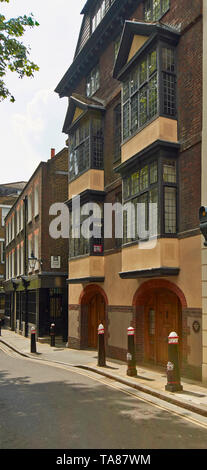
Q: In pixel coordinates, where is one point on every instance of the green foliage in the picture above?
(14, 56)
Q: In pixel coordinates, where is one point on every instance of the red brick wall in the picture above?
(54, 189)
(183, 12)
(189, 188)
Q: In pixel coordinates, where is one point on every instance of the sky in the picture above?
(31, 126)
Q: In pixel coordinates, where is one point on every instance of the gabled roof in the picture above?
(148, 30)
(87, 55)
(81, 102)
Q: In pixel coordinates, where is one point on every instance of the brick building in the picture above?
(204, 196)
(8, 194)
(134, 122)
(37, 295)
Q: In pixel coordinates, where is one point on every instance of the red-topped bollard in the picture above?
(131, 359)
(173, 367)
(33, 340)
(52, 334)
(101, 346)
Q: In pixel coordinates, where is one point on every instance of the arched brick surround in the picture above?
(89, 291)
(158, 284)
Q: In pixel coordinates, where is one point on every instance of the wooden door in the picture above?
(96, 316)
(167, 321)
(163, 316)
(150, 331)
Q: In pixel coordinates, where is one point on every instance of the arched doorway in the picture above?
(93, 312)
(158, 304)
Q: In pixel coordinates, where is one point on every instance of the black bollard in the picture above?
(52, 334)
(0, 325)
(131, 358)
(101, 346)
(173, 367)
(33, 339)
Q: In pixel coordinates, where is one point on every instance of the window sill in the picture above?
(124, 141)
(136, 242)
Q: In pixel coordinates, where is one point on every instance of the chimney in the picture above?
(52, 153)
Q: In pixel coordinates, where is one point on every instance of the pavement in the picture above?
(149, 380)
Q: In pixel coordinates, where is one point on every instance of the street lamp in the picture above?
(32, 261)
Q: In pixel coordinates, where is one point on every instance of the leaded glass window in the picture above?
(169, 81)
(86, 147)
(169, 172)
(154, 9)
(148, 191)
(139, 95)
(170, 209)
(81, 242)
(149, 90)
(139, 189)
(99, 13)
(93, 81)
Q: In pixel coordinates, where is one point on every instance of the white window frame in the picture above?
(30, 249)
(36, 200)
(17, 220)
(13, 227)
(22, 259)
(10, 231)
(21, 217)
(7, 259)
(18, 259)
(6, 230)
(36, 245)
(2, 206)
(9, 269)
(29, 208)
(13, 264)
(2, 260)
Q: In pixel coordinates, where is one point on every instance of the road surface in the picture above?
(48, 406)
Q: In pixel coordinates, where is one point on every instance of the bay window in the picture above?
(154, 182)
(86, 147)
(149, 89)
(80, 240)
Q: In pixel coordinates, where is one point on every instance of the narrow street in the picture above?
(45, 406)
